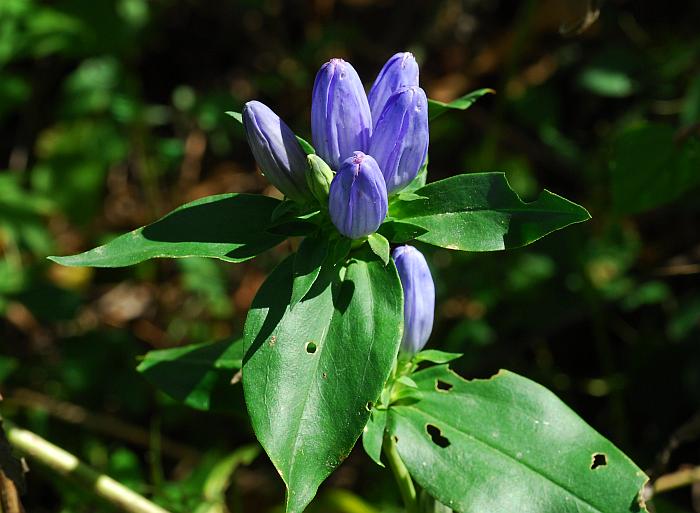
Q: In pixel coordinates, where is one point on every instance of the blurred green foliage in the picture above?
(113, 113)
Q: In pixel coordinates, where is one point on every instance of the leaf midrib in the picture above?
(502, 210)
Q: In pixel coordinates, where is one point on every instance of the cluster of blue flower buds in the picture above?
(375, 144)
(367, 148)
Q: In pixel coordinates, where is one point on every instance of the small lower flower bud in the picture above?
(358, 201)
(418, 297)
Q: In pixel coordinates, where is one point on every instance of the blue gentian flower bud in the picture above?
(276, 150)
(400, 139)
(418, 297)
(357, 202)
(399, 71)
(341, 122)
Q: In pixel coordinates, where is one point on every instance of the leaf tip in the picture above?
(235, 115)
(68, 260)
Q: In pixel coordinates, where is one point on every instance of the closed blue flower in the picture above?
(401, 70)
(400, 139)
(357, 201)
(341, 122)
(418, 297)
(276, 150)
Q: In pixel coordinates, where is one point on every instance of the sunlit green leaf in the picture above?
(508, 444)
(437, 108)
(480, 212)
(380, 246)
(231, 227)
(310, 372)
(373, 435)
(193, 374)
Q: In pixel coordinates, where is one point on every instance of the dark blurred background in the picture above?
(112, 113)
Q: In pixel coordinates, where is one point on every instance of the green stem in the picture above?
(65, 464)
(403, 478)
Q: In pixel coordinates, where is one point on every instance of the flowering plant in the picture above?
(333, 346)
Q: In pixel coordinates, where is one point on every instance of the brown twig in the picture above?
(11, 477)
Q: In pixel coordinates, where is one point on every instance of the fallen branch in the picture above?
(65, 464)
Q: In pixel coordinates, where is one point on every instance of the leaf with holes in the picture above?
(310, 372)
(508, 444)
(480, 212)
(230, 227)
(197, 375)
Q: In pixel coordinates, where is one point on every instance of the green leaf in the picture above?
(316, 259)
(435, 356)
(418, 181)
(306, 146)
(480, 212)
(613, 83)
(236, 115)
(428, 504)
(373, 435)
(508, 444)
(310, 372)
(399, 232)
(307, 265)
(230, 227)
(406, 381)
(380, 246)
(286, 210)
(409, 196)
(194, 374)
(650, 168)
(436, 108)
(219, 479)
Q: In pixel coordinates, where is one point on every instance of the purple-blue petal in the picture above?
(401, 136)
(357, 201)
(341, 122)
(401, 70)
(276, 150)
(419, 297)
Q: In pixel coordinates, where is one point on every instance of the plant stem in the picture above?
(68, 465)
(683, 477)
(403, 478)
